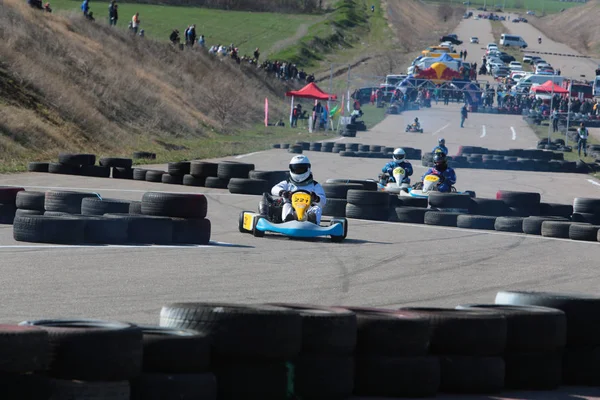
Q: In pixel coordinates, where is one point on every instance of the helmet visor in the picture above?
(299, 168)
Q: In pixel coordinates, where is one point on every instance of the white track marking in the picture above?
(593, 182)
(249, 154)
(514, 133)
(116, 246)
(483, 132)
(441, 129)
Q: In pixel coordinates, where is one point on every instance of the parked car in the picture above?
(474, 39)
(452, 39)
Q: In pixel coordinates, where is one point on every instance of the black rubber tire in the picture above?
(441, 218)
(179, 168)
(530, 329)
(63, 169)
(582, 311)
(323, 377)
(154, 175)
(175, 351)
(272, 177)
(144, 154)
(203, 169)
(45, 229)
(315, 147)
(584, 232)
(368, 198)
(30, 200)
(346, 153)
(104, 230)
(191, 231)
(391, 333)
(533, 225)
(93, 350)
(57, 214)
(367, 211)
(394, 377)
(252, 379)
(76, 389)
(530, 211)
(490, 207)
(146, 229)
(248, 186)
(304, 145)
(239, 330)
(116, 162)
(556, 210)
(366, 185)
(139, 174)
(37, 167)
(135, 207)
(586, 205)
(533, 371)
(413, 215)
(484, 222)
(469, 374)
(586, 218)
(64, 201)
(580, 366)
(97, 206)
(174, 387)
(94, 171)
(191, 180)
(509, 224)
(470, 333)
(228, 170)
(449, 200)
(180, 205)
(76, 160)
(325, 330)
(172, 179)
(519, 199)
(25, 386)
(556, 229)
(335, 207)
(23, 211)
(216, 183)
(408, 201)
(23, 349)
(339, 190)
(122, 173)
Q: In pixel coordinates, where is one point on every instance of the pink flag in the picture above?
(266, 111)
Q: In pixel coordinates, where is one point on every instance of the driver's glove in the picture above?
(442, 179)
(314, 197)
(286, 194)
(389, 171)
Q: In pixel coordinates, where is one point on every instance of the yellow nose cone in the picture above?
(300, 202)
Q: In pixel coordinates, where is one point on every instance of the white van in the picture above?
(512, 40)
(532, 80)
(597, 87)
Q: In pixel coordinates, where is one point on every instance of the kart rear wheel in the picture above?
(256, 232)
(344, 222)
(241, 223)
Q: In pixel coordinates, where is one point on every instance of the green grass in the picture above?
(247, 30)
(522, 6)
(372, 115)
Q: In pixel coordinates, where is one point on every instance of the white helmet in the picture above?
(399, 154)
(299, 169)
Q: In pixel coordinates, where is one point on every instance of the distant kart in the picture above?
(393, 185)
(269, 220)
(413, 128)
(430, 184)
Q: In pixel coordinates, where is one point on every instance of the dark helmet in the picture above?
(440, 161)
(582, 124)
(416, 119)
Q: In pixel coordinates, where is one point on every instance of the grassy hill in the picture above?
(539, 6)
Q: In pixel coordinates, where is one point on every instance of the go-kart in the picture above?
(268, 219)
(413, 128)
(430, 184)
(393, 186)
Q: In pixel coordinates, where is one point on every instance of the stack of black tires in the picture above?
(8, 203)
(336, 191)
(84, 165)
(349, 130)
(257, 183)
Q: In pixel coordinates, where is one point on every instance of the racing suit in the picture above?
(447, 178)
(389, 168)
(310, 186)
(441, 148)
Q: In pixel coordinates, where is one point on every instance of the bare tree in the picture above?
(223, 99)
(444, 12)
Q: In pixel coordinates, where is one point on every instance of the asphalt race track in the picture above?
(380, 264)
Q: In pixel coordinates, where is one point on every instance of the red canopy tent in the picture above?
(311, 91)
(549, 87)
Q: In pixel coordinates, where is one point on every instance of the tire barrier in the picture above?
(357, 150)
(80, 218)
(8, 203)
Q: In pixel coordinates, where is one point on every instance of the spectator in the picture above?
(256, 54)
(135, 23)
(201, 41)
(555, 121)
(461, 54)
(85, 7)
(114, 15)
(142, 33)
(295, 115)
(191, 35)
(35, 3)
(464, 54)
(90, 16)
(582, 142)
(174, 38)
(463, 115)
(111, 9)
(47, 7)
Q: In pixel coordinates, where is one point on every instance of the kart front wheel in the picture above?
(256, 232)
(344, 222)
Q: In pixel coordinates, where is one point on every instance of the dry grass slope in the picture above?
(68, 84)
(576, 27)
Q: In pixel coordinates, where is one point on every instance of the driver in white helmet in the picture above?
(398, 160)
(301, 178)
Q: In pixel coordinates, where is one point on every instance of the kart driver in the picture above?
(301, 178)
(441, 147)
(443, 171)
(416, 124)
(398, 160)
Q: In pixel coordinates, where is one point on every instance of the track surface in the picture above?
(380, 264)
